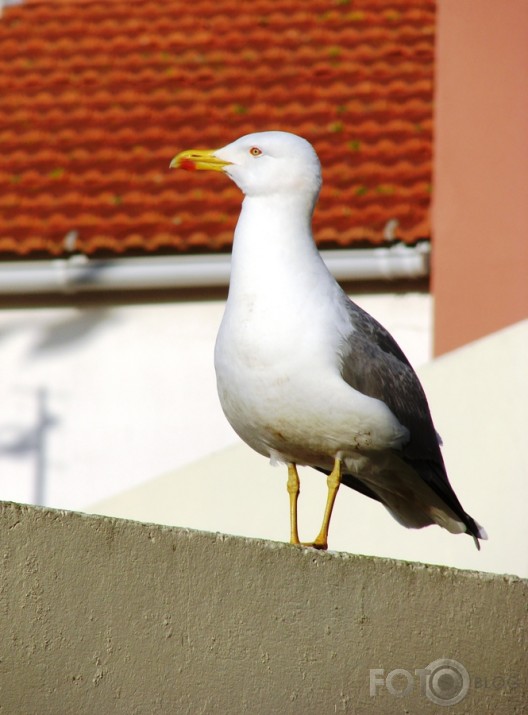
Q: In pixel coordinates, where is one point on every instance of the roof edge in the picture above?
(79, 274)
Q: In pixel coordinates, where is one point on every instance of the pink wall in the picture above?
(480, 210)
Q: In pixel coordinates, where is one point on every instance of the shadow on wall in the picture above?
(75, 329)
(30, 410)
(19, 441)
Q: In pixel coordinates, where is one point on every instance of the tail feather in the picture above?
(435, 476)
(418, 496)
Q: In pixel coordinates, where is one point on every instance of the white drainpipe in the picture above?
(78, 273)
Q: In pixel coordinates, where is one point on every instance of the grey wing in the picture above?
(374, 364)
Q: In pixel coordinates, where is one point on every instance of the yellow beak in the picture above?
(193, 159)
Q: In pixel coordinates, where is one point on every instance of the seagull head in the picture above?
(262, 164)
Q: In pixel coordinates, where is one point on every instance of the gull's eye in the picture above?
(255, 151)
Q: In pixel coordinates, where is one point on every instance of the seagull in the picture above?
(304, 375)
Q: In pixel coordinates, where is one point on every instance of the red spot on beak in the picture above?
(188, 165)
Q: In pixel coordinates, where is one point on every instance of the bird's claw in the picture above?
(318, 544)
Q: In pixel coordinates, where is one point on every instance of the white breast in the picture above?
(279, 380)
(277, 355)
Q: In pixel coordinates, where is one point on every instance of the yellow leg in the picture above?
(333, 481)
(293, 486)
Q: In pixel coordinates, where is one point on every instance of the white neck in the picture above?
(273, 243)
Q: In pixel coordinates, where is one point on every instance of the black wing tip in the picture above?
(477, 531)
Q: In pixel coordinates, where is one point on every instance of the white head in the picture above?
(263, 164)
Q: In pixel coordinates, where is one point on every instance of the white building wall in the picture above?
(126, 393)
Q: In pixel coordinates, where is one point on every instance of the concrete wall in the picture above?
(101, 615)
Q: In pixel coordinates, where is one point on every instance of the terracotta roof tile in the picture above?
(96, 97)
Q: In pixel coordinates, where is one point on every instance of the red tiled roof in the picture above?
(97, 96)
